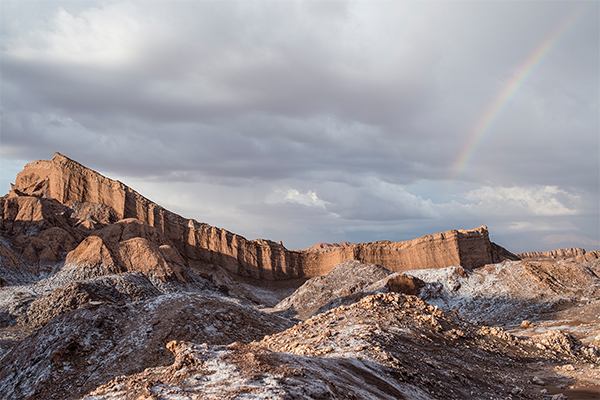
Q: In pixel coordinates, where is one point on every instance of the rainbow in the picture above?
(525, 70)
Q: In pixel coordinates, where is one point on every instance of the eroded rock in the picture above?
(84, 348)
(71, 183)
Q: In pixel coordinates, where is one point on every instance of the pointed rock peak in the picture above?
(69, 163)
(482, 230)
(58, 156)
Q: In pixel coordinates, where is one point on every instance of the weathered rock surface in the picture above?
(91, 259)
(128, 261)
(27, 215)
(92, 275)
(387, 346)
(126, 246)
(401, 283)
(117, 289)
(469, 248)
(82, 349)
(91, 216)
(558, 254)
(36, 234)
(49, 246)
(71, 183)
(509, 292)
(324, 247)
(13, 269)
(345, 279)
(592, 255)
(505, 293)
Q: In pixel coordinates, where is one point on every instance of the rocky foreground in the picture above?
(386, 346)
(106, 295)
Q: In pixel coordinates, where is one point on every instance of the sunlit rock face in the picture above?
(72, 184)
(561, 254)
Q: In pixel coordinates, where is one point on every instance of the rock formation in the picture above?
(512, 291)
(345, 279)
(469, 248)
(561, 254)
(70, 183)
(387, 346)
(323, 247)
(77, 351)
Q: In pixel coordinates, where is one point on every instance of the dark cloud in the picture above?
(369, 106)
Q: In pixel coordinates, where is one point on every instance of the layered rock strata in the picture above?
(559, 254)
(69, 182)
(323, 247)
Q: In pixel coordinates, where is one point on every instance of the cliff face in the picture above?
(469, 248)
(561, 254)
(324, 247)
(200, 244)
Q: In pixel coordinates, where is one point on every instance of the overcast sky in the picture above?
(315, 122)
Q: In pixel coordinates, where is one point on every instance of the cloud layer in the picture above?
(317, 121)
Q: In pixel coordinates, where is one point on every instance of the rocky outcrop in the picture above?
(92, 258)
(48, 246)
(323, 247)
(400, 283)
(345, 284)
(36, 234)
(114, 289)
(469, 248)
(126, 246)
(561, 254)
(572, 252)
(344, 280)
(203, 245)
(91, 216)
(511, 292)
(591, 255)
(84, 348)
(28, 215)
(12, 268)
(387, 346)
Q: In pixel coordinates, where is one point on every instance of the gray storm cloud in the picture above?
(368, 105)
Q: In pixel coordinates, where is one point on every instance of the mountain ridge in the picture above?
(69, 182)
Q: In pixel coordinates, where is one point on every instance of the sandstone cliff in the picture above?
(559, 254)
(323, 247)
(203, 245)
(469, 248)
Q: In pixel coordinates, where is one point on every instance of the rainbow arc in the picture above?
(512, 87)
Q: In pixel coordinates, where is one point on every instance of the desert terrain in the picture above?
(105, 294)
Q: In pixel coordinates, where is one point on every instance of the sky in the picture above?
(313, 121)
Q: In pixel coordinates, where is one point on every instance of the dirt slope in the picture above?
(509, 292)
(79, 350)
(343, 280)
(387, 346)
